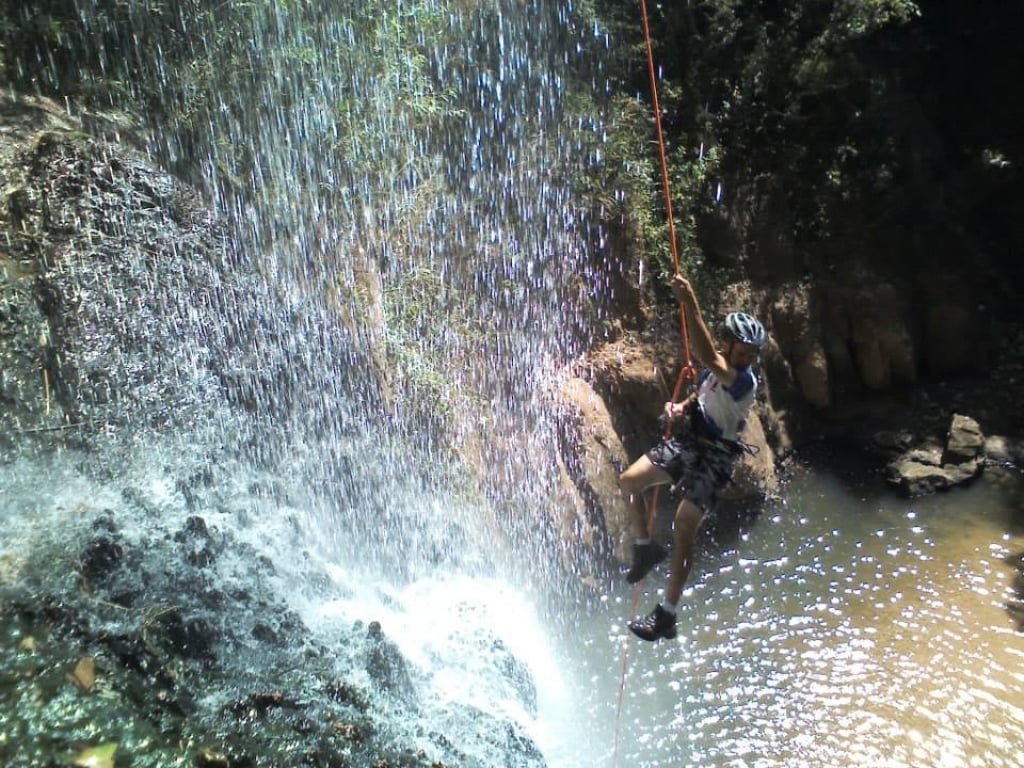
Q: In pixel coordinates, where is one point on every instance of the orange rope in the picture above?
(661, 137)
(687, 373)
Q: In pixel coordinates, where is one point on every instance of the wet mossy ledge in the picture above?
(110, 272)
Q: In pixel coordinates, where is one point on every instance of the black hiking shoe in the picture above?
(645, 557)
(658, 624)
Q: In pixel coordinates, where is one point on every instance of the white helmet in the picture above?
(746, 329)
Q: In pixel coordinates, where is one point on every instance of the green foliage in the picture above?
(787, 105)
(432, 336)
(626, 186)
(217, 57)
(815, 108)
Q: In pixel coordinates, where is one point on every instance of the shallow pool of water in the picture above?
(844, 627)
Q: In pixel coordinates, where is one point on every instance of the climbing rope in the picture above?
(687, 373)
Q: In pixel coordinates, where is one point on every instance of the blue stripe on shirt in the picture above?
(742, 384)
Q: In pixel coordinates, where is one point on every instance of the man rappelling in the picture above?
(698, 453)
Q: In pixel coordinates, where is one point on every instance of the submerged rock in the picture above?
(1004, 450)
(101, 557)
(387, 667)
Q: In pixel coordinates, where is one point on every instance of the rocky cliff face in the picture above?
(110, 270)
(97, 243)
(898, 355)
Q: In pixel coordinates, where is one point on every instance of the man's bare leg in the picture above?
(640, 475)
(687, 521)
(661, 622)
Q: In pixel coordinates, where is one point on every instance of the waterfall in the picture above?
(340, 415)
(403, 269)
(400, 177)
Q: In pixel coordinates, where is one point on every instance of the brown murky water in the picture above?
(845, 627)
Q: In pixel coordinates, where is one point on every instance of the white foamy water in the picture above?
(468, 641)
